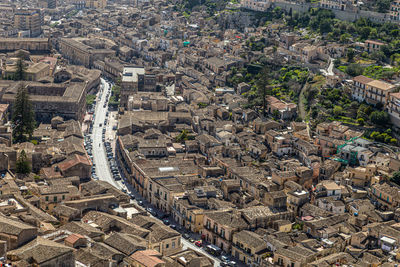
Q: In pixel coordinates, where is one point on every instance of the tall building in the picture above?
(96, 3)
(28, 20)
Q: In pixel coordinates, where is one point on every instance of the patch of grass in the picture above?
(90, 99)
(342, 68)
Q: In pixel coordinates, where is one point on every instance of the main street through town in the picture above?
(101, 162)
(99, 152)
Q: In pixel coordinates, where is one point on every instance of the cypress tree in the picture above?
(23, 116)
(19, 73)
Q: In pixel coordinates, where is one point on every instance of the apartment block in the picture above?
(28, 20)
(370, 90)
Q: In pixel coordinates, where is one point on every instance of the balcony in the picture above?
(247, 252)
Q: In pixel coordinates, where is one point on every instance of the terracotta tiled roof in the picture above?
(76, 159)
(148, 258)
(362, 79)
(73, 238)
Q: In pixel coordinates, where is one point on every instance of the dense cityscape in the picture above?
(191, 133)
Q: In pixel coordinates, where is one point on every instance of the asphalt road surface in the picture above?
(99, 151)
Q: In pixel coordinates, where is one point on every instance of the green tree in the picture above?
(379, 117)
(276, 114)
(396, 178)
(183, 136)
(23, 116)
(20, 71)
(22, 164)
(262, 84)
(354, 70)
(374, 135)
(337, 62)
(325, 26)
(383, 5)
(379, 56)
(350, 55)
(337, 111)
(345, 38)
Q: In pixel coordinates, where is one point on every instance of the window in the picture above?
(47, 198)
(55, 199)
(151, 187)
(173, 244)
(167, 246)
(63, 197)
(216, 228)
(165, 196)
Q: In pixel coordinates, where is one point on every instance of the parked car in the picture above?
(162, 215)
(224, 258)
(186, 236)
(199, 243)
(151, 211)
(166, 222)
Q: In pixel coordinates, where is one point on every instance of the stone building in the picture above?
(77, 52)
(15, 233)
(136, 79)
(49, 100)
(28, 44)
(29, 20)
(43, 252)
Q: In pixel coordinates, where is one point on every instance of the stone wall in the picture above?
(340, 14)
(32, 44)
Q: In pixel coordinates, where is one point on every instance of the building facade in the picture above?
(28, 20)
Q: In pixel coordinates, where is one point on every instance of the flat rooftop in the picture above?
(130, 74)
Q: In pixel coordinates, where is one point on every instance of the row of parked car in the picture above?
(88, 146)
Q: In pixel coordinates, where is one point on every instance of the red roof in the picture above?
(73, 238)
(148, 258)
(362, 79)
(77, 159)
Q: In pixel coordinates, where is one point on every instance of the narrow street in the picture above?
(101, 162)
(187, 244)
(99, 153)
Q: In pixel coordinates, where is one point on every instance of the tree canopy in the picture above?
(23, 116)
(22, 164)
